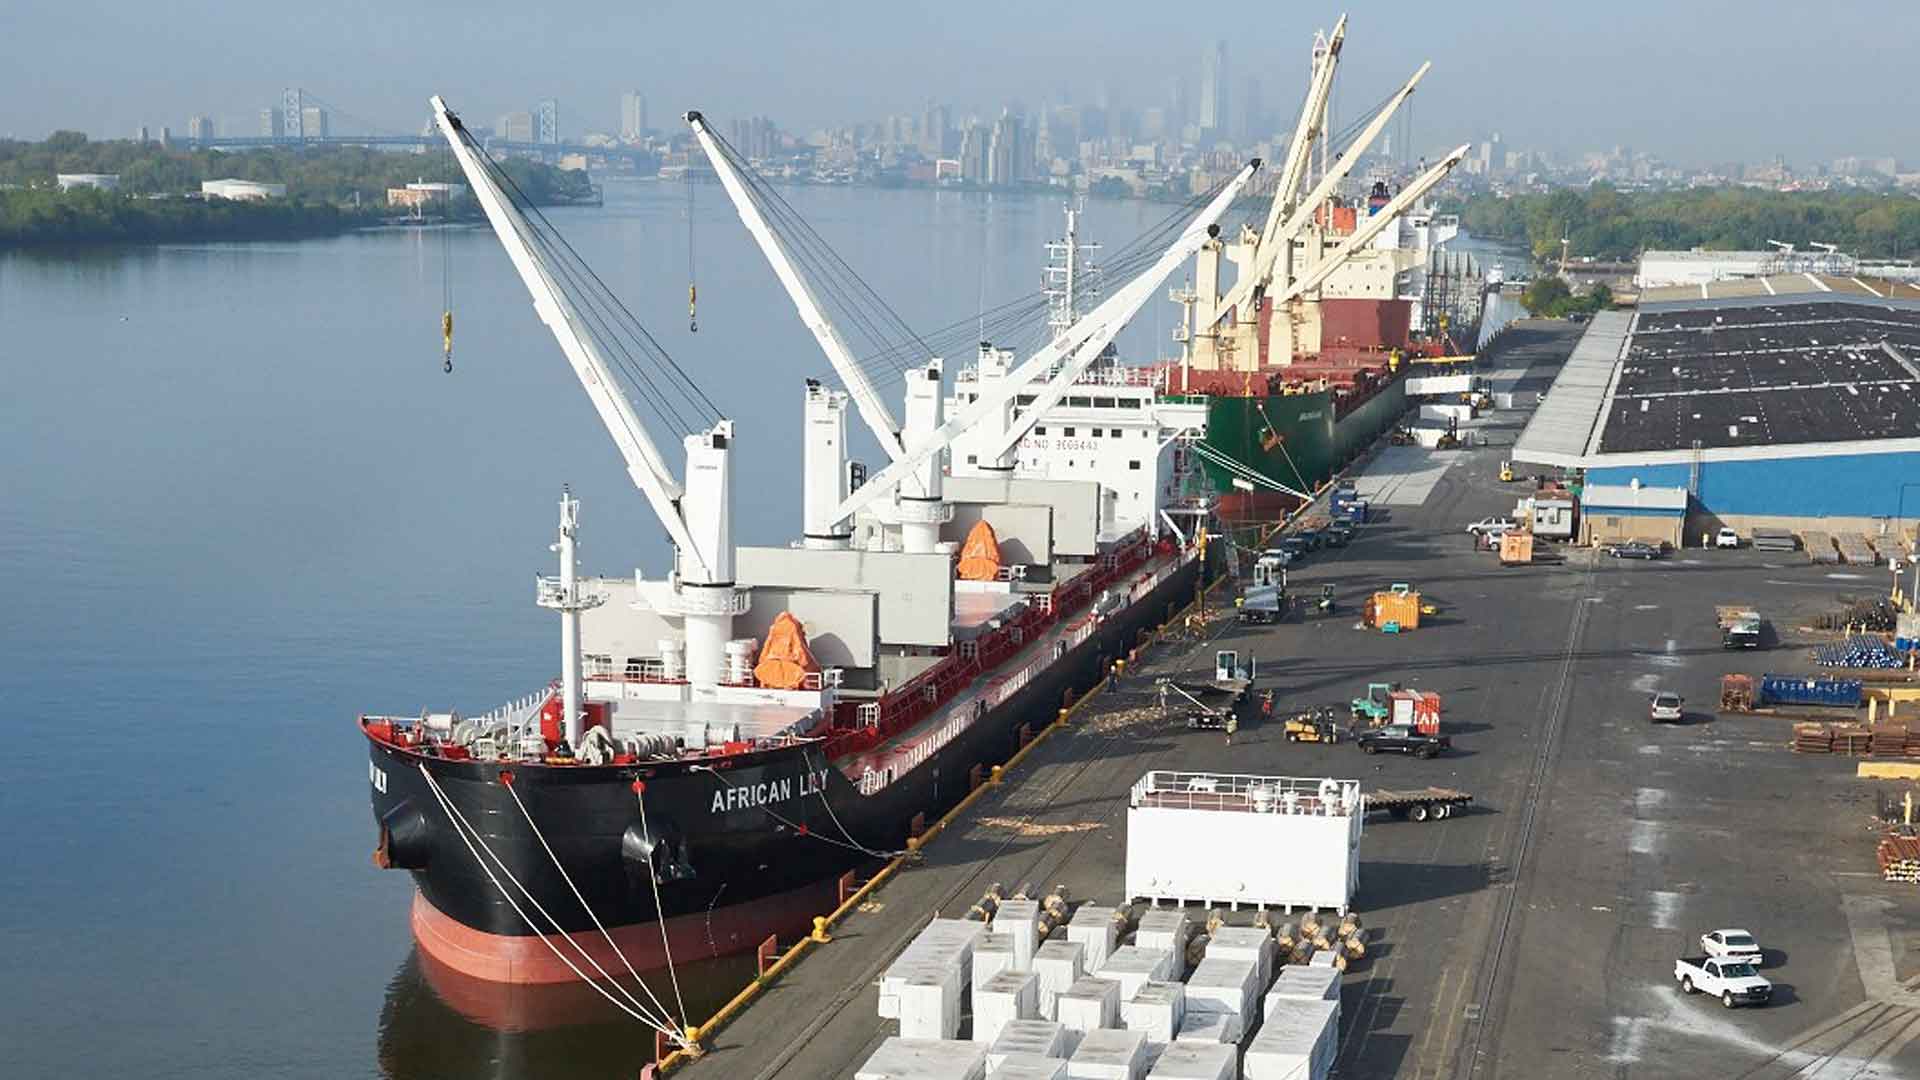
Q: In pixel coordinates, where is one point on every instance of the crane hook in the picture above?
(693, 324)
(446, 332)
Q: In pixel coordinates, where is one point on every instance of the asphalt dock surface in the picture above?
(1535, 935)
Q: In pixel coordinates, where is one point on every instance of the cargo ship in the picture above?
(1301, 362)
(725, 744)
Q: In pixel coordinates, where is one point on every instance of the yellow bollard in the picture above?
(820, 935)
(997, 771)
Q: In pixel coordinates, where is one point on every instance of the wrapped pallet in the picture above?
(1098, 929)
(1133, 966)
(1156, 1011)
(1010, 995)
(925, 1059)
(1246, 943)
(1165, 929)
(1298, 1042)
(1209, 1025)
(1109, 1054)
(1059, 964)
(1226, 984)
(930, 1005)
(1030, 1038)
(944, 946)
(1020, 920)
(1197, 1061)
(1028, 1067)
(1089, 1005)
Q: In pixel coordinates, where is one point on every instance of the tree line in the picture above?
(1602, 222)
(330, 189)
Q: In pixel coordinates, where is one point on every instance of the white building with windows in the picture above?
(101, 181)
(242, 190)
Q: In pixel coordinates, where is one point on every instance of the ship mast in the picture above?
(696, 513)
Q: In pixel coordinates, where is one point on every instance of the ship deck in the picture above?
(1593, 835)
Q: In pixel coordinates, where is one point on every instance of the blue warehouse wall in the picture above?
(1850, 485)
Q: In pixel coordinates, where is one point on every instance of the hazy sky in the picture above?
(1695, 81)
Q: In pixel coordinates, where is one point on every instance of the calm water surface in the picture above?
(240, 503)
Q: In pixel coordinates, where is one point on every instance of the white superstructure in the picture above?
(1214, 838)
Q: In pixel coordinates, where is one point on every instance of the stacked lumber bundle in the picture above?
(1838, 739)
(1820, 548)
(1893, 738)
(1899, 857)
(1855, 549)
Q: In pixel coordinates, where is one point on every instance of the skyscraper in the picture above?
(272, 123)
(633, 116)
(1214, 113)
(200, 128)
(934, 124)
(314, 122)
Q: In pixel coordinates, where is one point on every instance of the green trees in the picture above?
(1602, 222)
(1551, 298)
(329, 190)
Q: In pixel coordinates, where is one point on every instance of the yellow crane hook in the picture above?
(446, 332)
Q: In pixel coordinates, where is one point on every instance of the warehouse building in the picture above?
(1790, 401)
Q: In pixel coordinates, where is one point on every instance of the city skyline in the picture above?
(1593, 80)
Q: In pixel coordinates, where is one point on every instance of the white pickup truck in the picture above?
(1731, 944)
(1734, 982)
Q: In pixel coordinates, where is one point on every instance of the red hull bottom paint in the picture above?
(724, 931)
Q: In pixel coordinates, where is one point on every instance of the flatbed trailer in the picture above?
(1424, 804)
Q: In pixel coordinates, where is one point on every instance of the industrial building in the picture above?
(99, 181)
(1787, 401)
(242, 189)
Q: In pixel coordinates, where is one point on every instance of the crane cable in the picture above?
(446, 272)
(693, 321)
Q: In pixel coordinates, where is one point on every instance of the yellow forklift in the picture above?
(1506, 472)
(1314, 726)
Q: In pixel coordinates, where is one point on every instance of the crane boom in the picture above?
(1274, 243)
(1085, 339)
(872, 410)
(644, 464)
(1364, 235)
(1312, 125)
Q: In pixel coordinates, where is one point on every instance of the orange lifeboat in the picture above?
(785, 661)
(980, 555)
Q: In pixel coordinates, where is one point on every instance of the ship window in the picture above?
(1103, 403)
(1039, 430)
(1068, 432)
(1128, 403)
(1023, 399)
(1079, 402)
(1134, 465)
(1114, 433)
(973, 459)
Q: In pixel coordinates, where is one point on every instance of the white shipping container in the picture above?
(1089, 1005)
(1109, 1054)
(1008, 996)
(1245, 943)
(1228, 984)
(1197, 1061)
(1192, 837)
(1156, 1011)
(1210, 1025)
(930, 1006)
(1059, 965)
(1133, 966)
(1298, 1042)
(1165, 928)
(1028, 1067)
(924, 1059)
(1094, 926)
(1020, 920)
(1030, 1038)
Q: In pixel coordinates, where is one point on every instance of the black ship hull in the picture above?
(680, 860)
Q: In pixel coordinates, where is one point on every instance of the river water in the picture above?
(242, 503)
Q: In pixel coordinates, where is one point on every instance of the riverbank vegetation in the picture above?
(330, 190)
(1603, 223)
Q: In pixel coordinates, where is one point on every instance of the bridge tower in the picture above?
(293, 108)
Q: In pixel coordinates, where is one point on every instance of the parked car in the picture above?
(1296, 548)
(1726, 538)
(1734, 982)
(1731, 945)
(1666, 708)
(1405, 739)
(1636, 549)
(1742, 633)
(1337, 535)
(1492, 526)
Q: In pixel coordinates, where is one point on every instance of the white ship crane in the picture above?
(1066, 357)
(696, 512)
(919, 509)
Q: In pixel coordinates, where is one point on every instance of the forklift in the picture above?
(1314, 726)
(1377, 705)
(1506, 472)
(1326, 600)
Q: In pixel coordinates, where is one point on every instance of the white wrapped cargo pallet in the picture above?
(1095, 927)
(1197, 1061)
(1165, 928)
(1133, 966)
(930, 1005)
(1156, 1011)
(1245, 943)
(943, 944)
(1307, 983)
(1323, 958)
(1020, 920)
(1089, 1005)
(1059, 965)
(1031, 1038)
(1028, 1067)
(1008, 996)
(992, 954)
(1210, 1025)
(925, 1059)
(1191, 839)
(1109, 1054)
(1228, 985)
(1298, 1042)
